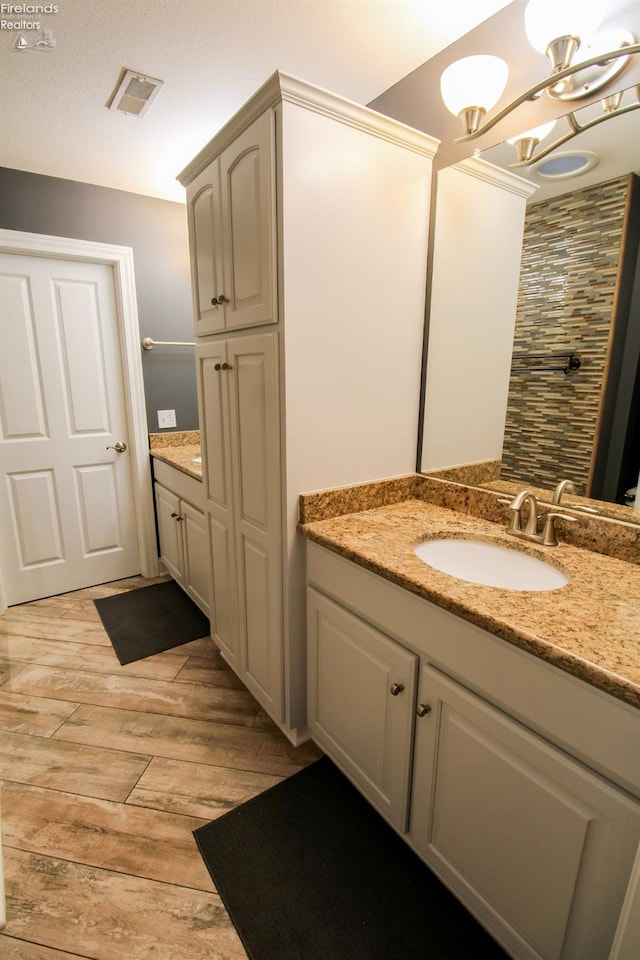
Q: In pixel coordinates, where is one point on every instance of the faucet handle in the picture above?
(549, 535)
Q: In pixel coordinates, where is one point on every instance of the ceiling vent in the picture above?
(135, 93)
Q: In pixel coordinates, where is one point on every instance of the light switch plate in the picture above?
(166, 418)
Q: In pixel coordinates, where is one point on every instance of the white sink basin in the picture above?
(490, 565)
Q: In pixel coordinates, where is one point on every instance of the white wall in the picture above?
(479, 222)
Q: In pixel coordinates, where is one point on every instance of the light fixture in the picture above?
(557, 27)
(525, 143)
(581, 63)
(489, 78)
(612, 106)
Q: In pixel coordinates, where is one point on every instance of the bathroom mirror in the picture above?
(613, 152)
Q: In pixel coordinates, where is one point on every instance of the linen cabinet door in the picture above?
(247, 169)
(205, 244)
(169, 531)
(255, 428)
(361, 696)
(215, 436)
(197, 565)
(539, 847)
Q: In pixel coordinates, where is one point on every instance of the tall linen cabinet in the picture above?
(308, 223)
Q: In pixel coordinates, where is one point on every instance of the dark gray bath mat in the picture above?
(151, 619)
(309, 871)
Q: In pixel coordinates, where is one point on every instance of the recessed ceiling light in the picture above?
(134, 93)
(566, 165)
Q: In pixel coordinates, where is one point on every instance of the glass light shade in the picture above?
(546, 20)
(536, 133)
(477, 81)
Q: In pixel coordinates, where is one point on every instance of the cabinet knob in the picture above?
(226, 366)
(222, 299)
(396, 688)
(217, 366)
(214, 301)
(176, 516)
(423, 709)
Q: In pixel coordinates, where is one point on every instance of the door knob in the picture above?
(119, 447)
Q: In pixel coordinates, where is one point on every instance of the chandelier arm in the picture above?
(532, 93)
(574, 133)
(574, 123)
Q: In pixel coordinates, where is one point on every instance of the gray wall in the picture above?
(156, 230)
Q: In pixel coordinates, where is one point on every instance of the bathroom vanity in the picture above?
(496, 730)
(179, 501)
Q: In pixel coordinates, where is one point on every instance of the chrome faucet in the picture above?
(529, 531)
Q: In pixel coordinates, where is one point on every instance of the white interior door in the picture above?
(67, 516)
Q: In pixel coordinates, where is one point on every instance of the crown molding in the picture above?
(489, 173)
(281, 87)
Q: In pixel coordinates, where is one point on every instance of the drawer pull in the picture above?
(396, 688)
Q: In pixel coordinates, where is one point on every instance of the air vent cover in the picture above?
(134, 93)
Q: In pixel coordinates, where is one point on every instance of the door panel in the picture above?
(248, 205)
(213, 403)
(67, 514)
(252, 380)
(82, 359)
(537, 845)
(21, 388)
(33, 508)
(97, 500)
(205, 224)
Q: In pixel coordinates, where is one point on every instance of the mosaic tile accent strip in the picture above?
(568, 280)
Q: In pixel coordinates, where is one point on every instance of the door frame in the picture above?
(120, 259)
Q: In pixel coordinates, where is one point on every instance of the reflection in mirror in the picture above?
(579, 296)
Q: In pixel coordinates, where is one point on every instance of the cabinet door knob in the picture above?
(423, 709)
(175, 516)
(214, 301)
(396, 688)
(226, 366)
(222, 299)
(217, 366)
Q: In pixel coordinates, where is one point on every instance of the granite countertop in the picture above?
(178, 450)
(590, 627)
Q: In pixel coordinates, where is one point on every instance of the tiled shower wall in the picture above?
(566, 298)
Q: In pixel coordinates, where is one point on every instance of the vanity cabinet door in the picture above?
(197, 563)
(360, 703)
(537, 846)
(169, 532)
(238, 384)
(247, 174)
(205, 243)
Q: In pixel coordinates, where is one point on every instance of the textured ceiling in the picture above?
(212, 55)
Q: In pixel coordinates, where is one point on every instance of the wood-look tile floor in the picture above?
(106, 771)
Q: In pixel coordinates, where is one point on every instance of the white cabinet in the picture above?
(232, 234)
(361, 700)
(182, 532)
(524, 781)
(535, 843)
(308, 213)
(239, 404)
